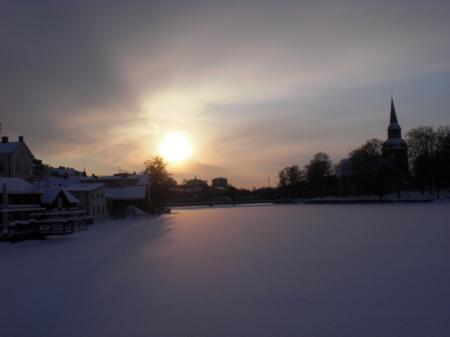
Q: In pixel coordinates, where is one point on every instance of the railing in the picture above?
(44, 223)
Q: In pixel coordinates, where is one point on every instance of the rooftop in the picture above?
(50, 195)
(6, 148)
(130, 177)
(17, 185)
(83, 187)
(126, 193)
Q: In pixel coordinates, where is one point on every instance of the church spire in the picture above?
(395, 148)
(394, 129)
(393, 119)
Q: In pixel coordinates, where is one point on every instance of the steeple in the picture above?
(393, 114)
(394, 129)
(395, 149)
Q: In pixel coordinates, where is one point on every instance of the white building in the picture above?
(123, 190)
(92, 199)
(16, 159)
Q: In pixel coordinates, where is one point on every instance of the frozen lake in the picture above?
(301, 270)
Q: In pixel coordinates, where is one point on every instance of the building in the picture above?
(220, 182)
(395, 148)
(63, 171)
(48, 182)
(196, 185)
(16, 159)
(119, 198)
(92, 199)
(119, 180)
(58, 198)
(18, 200)
(123, 190)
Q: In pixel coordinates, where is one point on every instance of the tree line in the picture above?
(366, 171)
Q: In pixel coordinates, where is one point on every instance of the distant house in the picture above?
(92, 199)
(16, 159)
(220, 182)
(196, 185)
(57, 197)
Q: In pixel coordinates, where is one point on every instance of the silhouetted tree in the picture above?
(289, 176)
(344, 178)
(291, 180)
(443, 156)
(318, 174)
(368, 168)
(160, 181)
(422, 150)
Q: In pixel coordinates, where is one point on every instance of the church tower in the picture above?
(395, 148)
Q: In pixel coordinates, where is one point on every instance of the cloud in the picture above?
(256, 83)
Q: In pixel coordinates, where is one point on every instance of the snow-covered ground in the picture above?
(300, 270)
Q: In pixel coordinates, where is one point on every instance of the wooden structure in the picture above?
(44, 223)
(23, 217)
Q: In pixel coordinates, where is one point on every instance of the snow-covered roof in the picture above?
(50, 195)
(16, 185)
(83, 187)
(130, 180)
(9, 147)
(126, 193)
(45, 184)
(101, 178)
(61, 171)
(143, 180)
(70, 180)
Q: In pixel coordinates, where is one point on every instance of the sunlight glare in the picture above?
(176, 147)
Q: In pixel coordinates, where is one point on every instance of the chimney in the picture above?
(21, 139)
(5, 139)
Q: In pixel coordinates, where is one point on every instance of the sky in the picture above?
(255, 85)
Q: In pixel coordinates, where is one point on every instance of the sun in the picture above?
(176, 147)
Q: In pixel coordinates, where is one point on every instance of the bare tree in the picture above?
(318, 172)
(160, 181)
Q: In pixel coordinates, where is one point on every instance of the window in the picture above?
(93, 210)
(18, 167)
(98, 209)
(92, 196)
(2, 167)
(103, 209)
